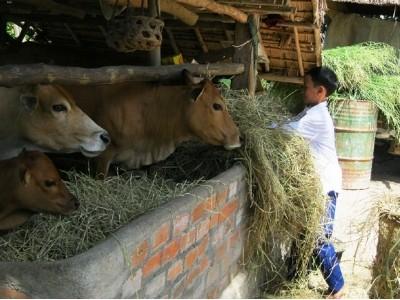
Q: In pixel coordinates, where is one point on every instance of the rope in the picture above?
(242, 44)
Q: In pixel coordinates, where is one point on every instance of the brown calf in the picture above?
(30, 183)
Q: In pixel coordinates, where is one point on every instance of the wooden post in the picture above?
(155, 54)
(172, 41)
(244, 53)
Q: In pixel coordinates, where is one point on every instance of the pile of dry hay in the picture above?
(105, 207)
(286, 197)
(386, 268)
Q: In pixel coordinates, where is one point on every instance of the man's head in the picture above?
(319, 83)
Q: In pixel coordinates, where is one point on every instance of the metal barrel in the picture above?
(355, 129)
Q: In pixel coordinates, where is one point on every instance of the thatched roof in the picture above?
(371, 2)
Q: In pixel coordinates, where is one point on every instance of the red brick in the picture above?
(204, 264)
(198, 212)
(162, 235)
(6, 293)
(139, 254)
(210, 204)
(214, 220)
(152, 264)
(221, 197)
(175, 270)
(170, 251)
(181, 224)
(190, 258)
(213, 293)
(228, 210)
(192, 275)
(202, 247)
(218, 235)
(188, 239)
(221, 251)
(234, 239)
(202, 229)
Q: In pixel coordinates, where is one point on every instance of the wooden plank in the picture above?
(281, 78)
(11, 75)
(200, 40)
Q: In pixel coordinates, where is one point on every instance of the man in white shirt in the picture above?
(315, 125)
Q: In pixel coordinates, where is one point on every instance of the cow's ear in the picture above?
(25, 175)
(195, 93)
(190, 79)
(29, 102)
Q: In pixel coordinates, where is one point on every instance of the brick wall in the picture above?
(195, 252)
(188, 248)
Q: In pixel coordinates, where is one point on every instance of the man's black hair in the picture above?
(324, 76)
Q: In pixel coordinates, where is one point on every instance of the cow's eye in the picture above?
(49, 183)
(217, 106)
(59, 108)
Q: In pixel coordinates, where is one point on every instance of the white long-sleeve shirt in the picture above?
(316, 126)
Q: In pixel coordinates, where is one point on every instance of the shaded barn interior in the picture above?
(286, 33)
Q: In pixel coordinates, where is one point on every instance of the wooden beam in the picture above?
(244, 53)
(298, 50)
(233, 12)
(317, 36)
(172, 41)
(168, 6)
(203, 45)
(317, 33)
(73, 35)
(281, 78)
(12, 75)
(155, 54)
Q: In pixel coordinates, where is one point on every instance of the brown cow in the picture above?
(46, 118)
(147, 121)
(30, 183)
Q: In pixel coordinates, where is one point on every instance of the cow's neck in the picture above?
(167, 121)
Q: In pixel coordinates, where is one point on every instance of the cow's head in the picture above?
(208, 116)
(41, 188)
(51, 120)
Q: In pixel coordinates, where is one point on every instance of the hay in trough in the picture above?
(386, 268)
(105, 207)
(286, 197)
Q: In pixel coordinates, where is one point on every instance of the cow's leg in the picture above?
(15, 219)
(103, 162)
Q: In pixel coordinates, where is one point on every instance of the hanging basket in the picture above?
(133, 33)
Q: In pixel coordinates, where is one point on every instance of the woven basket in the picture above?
(131, 33)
